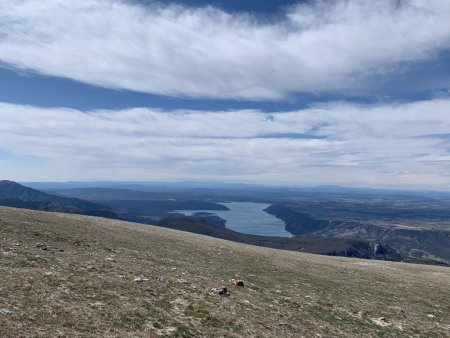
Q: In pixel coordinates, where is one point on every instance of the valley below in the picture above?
(388, 225)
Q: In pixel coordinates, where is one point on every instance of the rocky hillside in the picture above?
(13, 194)
(78, 276)
(428, 246)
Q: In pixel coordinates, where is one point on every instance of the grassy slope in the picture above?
(88, 289)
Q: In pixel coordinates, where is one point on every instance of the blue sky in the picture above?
(283, 92)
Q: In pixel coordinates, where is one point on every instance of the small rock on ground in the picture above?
(221, 291)
(381, 321)
(6, 312)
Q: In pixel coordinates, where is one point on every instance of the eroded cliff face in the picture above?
(297, 223)
(413, 244)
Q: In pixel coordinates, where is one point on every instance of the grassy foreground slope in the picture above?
(71, 275)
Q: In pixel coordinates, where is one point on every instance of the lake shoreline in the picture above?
(249, 218)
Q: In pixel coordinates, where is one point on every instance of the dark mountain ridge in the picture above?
(16, 195)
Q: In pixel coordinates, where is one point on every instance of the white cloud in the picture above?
(343, 143)
(181, 51)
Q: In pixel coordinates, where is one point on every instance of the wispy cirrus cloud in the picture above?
(205, 52)
(334, 143)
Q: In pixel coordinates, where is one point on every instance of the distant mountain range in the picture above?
(188, 185)
(13, 194)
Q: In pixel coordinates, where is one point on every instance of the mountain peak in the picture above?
(8, 182)
(11, 189)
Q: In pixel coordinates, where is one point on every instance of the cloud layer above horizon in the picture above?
(174, 50)
(344, 143)
(324, 48)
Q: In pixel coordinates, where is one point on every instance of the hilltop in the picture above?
(13, 194)
(73, 275)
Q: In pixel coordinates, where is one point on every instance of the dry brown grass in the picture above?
(82, 286)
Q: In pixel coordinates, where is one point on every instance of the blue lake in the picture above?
(248, 218)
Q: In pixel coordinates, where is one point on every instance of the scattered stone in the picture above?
(221, 291)
(97, 304)
(42, 246)
(431, 316)
(6, 312)
(381, 321)
(236, 282)
(399, 326)
(49, 296)
(110, 259)
(140, 279)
